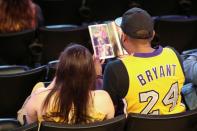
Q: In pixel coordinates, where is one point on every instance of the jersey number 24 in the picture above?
(170, 98)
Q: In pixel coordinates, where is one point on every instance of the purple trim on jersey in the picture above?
(154, 53)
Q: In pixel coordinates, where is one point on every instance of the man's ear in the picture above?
(153, 35)
(124, 37)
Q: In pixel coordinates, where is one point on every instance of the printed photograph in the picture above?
(101, 41)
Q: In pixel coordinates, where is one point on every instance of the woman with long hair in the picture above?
(18, 15)
(71, 97)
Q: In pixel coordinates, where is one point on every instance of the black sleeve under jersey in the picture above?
(116, 80)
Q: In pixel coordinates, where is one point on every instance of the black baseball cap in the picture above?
(136, 23)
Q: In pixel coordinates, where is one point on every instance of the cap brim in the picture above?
(118, 21)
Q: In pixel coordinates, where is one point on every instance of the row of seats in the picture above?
(80, 11)
(45, 44)
(186, 121)
(17, 83)
(177, 31)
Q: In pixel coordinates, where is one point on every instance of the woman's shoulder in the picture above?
(41, 92)
(103, 103)
(41, 88)
(100, 95)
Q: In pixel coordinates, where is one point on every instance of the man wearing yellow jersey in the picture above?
(149, 80)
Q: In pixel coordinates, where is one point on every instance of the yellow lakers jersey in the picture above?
(155, 83)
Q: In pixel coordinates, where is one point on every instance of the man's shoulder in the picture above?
(116, 67)
(171, 48)
(115, 63)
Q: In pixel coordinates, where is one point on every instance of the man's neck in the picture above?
(140, 48)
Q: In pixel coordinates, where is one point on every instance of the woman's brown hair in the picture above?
(75, 78)
(17, 15)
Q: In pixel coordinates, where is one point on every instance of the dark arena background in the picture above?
(30, 56)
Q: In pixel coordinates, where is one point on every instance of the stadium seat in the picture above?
(179, 32)
(55, 40)
(16, 87)
(159, 8)
(186, 121)
(103, 10)
(51, 66)
(28, 127)
(194, 7)
(60, 11)
(12, 69)
(7, 124)
(61, 27)
(115, 124)
(14, 47)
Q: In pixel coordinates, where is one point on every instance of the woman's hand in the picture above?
(98, 65)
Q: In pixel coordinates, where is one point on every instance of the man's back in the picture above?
(153, 82)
